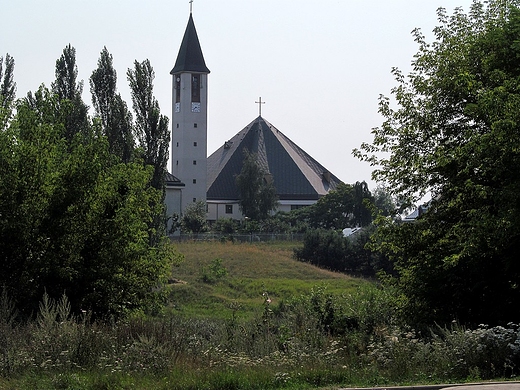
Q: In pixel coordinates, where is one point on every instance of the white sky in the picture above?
(319, 65)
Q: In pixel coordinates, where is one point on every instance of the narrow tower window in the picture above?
(177, 88)
(195, 88)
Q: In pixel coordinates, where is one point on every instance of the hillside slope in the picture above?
(247, 272)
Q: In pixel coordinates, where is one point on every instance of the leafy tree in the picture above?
(330, 249)
(383, 202)
(69, 91)
(72, 221)
(343, 207)
(226, 225)
(152, 134)
(456, 135)
(151, 127)
(361, 214)
(324, 248)
(113, 112)
(7, 89)
(194, 218)
(257, 192)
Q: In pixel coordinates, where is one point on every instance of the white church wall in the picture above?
(231, 209)
(223, 209)
(172, 200)
(288, 205)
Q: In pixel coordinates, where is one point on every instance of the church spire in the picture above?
(190, 58)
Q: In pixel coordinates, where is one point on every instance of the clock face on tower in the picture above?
(195, 107)
(177, 107)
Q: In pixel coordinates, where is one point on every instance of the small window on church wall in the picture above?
(177, 144)
(194, 162)
(177, 89)
(195, 125)
(194, 181)
(194, 200)
(177, 125)
(194, 144)
(195, 88)
(229, 209)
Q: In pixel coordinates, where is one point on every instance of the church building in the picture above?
(298, 178)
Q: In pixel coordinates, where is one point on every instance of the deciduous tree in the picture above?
(456, 134)
(7, 89)
(257, 192)
(194, 218)
(151, 127)
(113, 112)
(71, 220)
(69, 90)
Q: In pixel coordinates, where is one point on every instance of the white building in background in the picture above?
(298, 178)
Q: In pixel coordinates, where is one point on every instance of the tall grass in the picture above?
(315, 339)
(248, 317)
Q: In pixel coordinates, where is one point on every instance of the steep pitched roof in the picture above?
(296, 175)
(190, 58)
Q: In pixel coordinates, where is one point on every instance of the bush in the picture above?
(214, 272)
(324, 248)
(330, 249)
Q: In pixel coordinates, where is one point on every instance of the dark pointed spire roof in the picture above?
(296, 175)
(190, 58)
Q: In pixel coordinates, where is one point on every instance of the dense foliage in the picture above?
(349, 205)
(255, 186)
(75, 209)
(332, 250)
(193, 219)
(456, 135)
(313, 340)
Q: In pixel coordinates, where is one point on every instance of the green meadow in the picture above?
(248, 316)
(249, 272)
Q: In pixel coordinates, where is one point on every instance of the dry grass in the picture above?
(252, 269)
(244, 260)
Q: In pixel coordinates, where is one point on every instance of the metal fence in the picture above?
(252, 237)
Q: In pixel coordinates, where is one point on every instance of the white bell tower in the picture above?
(190, 118)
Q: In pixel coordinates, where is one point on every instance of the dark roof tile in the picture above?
(295, 173)
(190, 58)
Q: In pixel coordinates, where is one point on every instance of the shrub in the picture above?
(323, 248)
(214, 272)
(330, 249)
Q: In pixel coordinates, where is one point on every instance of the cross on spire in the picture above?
(191, 6)
(260, 102)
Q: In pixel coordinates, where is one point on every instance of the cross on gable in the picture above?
(191, 5)
(260, 102)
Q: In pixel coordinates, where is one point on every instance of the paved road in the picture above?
(490, 386)
(468, 386)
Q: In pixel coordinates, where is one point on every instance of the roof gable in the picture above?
(190, 58)
(296, 175)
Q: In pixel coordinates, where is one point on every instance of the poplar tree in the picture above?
(7, 89)
(116, 119)
(68, 90)
(151, 127)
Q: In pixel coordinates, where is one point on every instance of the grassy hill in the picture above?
(247, 271)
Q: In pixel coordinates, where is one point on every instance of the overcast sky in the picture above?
(319, 65)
